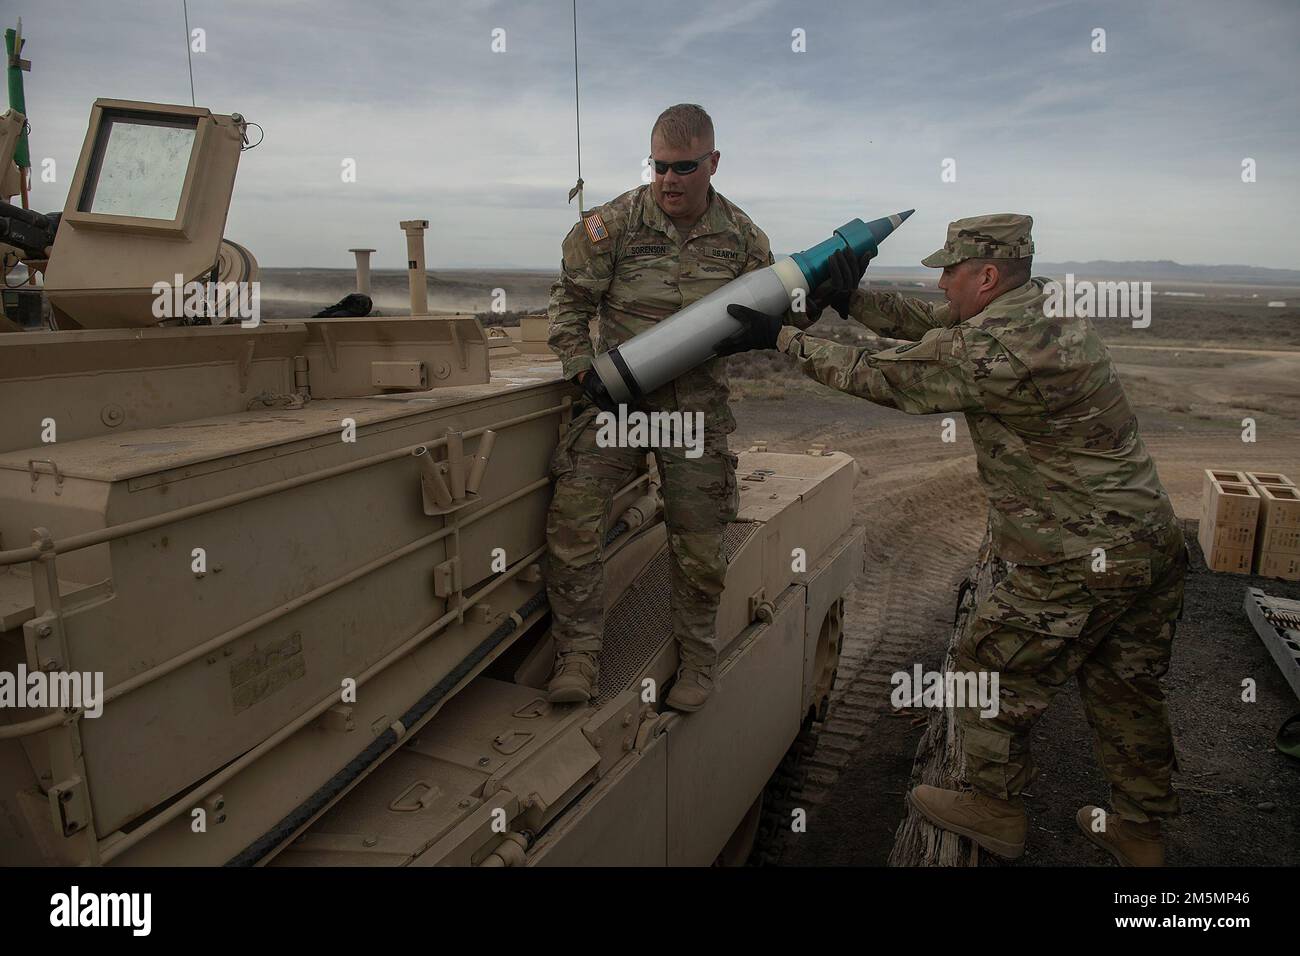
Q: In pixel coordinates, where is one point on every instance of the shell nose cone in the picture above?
(898, 218)
(882, 228)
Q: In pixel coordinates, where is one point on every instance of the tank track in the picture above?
(782, 795)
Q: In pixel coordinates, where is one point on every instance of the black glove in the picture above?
(846, 271)
(596, 391)
(758, 331)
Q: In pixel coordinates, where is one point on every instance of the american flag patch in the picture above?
(596, 230)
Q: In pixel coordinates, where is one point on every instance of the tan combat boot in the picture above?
(574, 680)
(691, 689)
(999, 826)
(1132, 844)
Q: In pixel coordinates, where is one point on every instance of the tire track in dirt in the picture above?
(928, 497)
(924, 514)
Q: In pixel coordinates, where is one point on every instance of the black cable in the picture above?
(577, 114)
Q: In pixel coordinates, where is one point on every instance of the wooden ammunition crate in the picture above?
(1258, 478)
(1219, 475)
(1279, 506)
(1277, 541)
(1231, 503)
(1276, 565)
(1229, 519)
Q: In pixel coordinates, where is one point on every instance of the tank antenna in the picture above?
(577, 114)
(14, 44)
(189, 56)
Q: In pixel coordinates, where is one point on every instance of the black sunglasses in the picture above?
(683, 167)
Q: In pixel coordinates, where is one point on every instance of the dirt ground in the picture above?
(924, 513)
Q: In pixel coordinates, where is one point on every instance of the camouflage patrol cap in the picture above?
(1002, 235)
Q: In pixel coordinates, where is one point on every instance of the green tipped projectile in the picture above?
(682, 341)
(862, 238)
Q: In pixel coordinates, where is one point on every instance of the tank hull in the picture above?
(280, 614)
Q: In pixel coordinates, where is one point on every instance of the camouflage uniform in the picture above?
(627, 265)
(1066, 473)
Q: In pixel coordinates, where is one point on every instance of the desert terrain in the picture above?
(1213, 355)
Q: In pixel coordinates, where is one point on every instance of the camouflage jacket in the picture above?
(1055, 438)
(629, 268)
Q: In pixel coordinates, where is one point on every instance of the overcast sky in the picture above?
(1134, 153)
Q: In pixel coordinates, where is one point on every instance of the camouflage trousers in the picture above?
(700, 498)
(1113, 631)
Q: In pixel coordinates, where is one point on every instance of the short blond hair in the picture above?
(679, 125)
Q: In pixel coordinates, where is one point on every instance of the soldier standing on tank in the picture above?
(1097, 559)
(629, 264)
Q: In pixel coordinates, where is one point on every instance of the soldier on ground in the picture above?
(629, 264)
(1077, 510)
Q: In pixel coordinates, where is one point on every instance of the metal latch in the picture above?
(417, 796)
(537, 707)
(510, 741)
(446, 578)
(69, 806)
(35, 474)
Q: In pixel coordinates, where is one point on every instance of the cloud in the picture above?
(1130, 154)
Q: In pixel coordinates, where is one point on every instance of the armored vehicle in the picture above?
(302, 559)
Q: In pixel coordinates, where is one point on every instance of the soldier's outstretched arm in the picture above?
(896, 316)
(935, 374)
(585, 274)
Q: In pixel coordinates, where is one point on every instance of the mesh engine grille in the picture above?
(641, 622)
